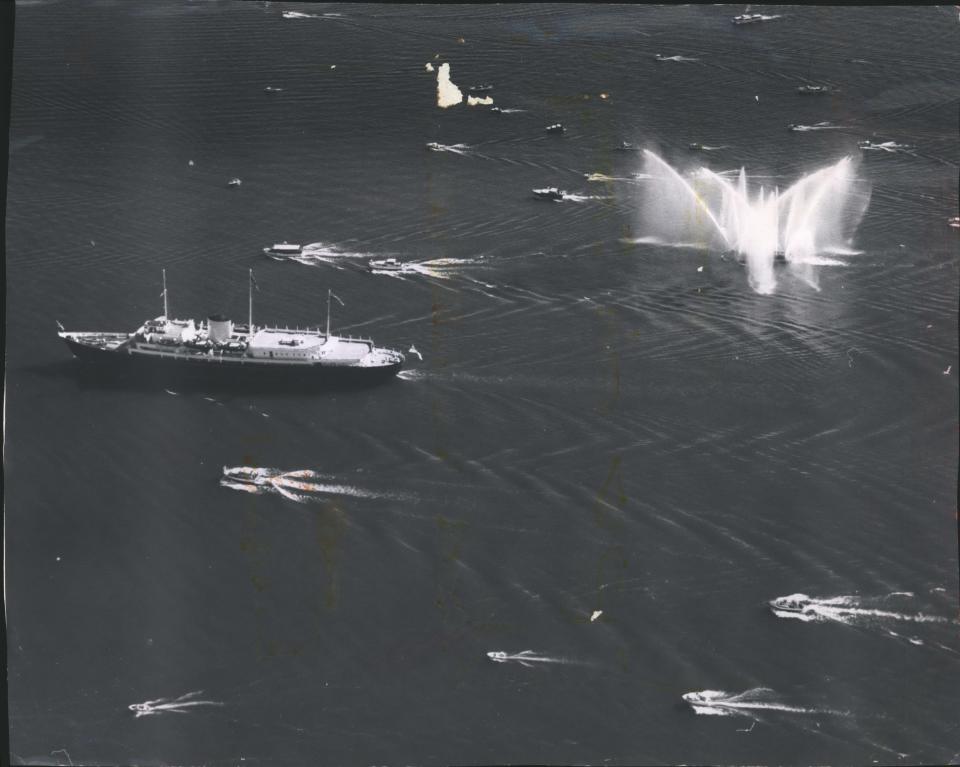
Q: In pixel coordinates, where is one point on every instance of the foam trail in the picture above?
(604, 177)
(824, 125)
(524, 658)
(585, 197)
(460, 149)
(721, 703)
(886, 146)
(651, 240)
(441, 268)
(319, 252)
(290, 484)
(180, 705)
(841, 609)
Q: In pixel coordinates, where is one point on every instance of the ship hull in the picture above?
(229, 374)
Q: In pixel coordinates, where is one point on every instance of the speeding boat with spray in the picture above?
(385, 265)
(795, 603)
(283, 250)
(549, 193)
(219, 352)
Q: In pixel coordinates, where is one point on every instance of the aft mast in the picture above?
(329, 296)
(166, 311)
(329, 293)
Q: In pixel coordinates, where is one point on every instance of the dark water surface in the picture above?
(595, 426)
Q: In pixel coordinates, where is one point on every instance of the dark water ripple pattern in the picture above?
(596, 425)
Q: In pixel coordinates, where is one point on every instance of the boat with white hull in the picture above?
(218, 352)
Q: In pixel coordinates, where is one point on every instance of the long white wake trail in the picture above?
(842, 609)
(746, 703)
(526, 658)
(299, 485)
(181, 705)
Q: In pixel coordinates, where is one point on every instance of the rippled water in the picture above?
(597, 424)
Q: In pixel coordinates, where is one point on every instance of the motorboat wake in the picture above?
(747, 703)
(181, 705)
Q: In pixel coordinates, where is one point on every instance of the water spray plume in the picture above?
(816, 215)
(696, 197)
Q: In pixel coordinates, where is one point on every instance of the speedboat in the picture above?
(625, 146)
(747, 18)
(498, 110)
(555, 128)
(549, 193)
(234, 182)
(813, 89)
(283, 250)
(385, 265)
(695, 146)
(433, 146)
(480, 88)
(954, 222)
(272, 89)
(886, 146)
(705, 698)
(795, 603)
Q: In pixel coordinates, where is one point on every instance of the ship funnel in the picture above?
(219, 328)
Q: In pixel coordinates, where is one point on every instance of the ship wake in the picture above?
(844, 609)
(441, 268)
(181, 705)
(300, 485)
(747, 703)
(322, 253)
